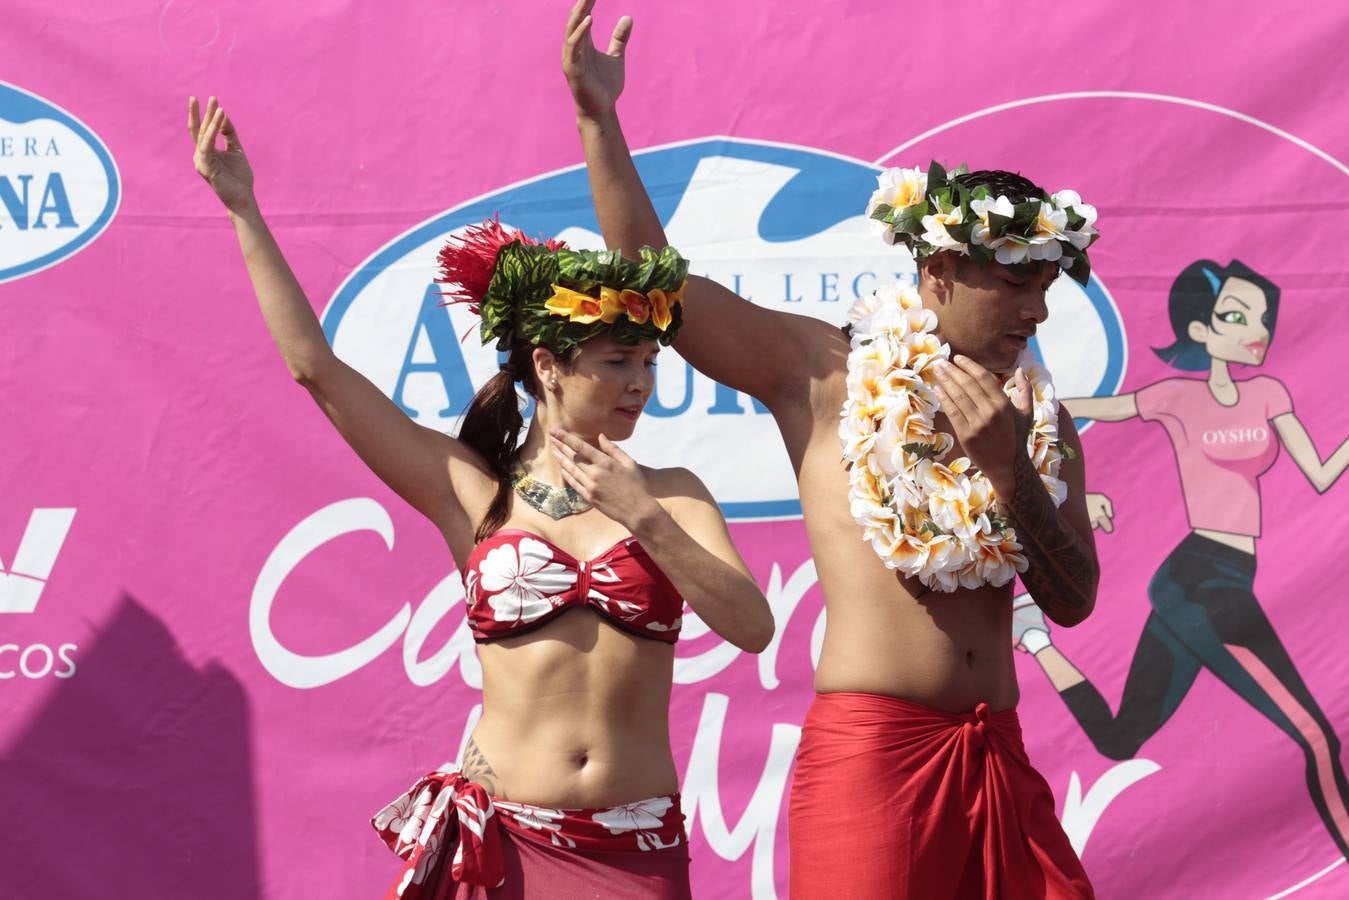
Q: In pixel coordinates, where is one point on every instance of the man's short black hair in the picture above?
(1016, 188)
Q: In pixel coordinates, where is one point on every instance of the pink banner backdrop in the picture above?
(224, 644)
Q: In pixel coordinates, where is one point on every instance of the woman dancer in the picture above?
(1225, 433)
(577, 561)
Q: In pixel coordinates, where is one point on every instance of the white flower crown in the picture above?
(930, 211)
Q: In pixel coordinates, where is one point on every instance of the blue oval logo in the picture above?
(59, 186)
(780, 225)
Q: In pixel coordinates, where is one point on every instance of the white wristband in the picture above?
(1035, 640)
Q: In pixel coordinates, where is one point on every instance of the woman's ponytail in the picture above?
(492, 427)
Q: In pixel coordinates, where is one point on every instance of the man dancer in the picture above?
(911, 780)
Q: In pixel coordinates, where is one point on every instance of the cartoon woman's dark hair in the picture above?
(1194, 294)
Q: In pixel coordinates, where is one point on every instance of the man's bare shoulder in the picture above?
(825, 341)
(821, 364)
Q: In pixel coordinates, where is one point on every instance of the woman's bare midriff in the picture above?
(575, 715)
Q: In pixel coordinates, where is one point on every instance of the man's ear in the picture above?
(936, 274)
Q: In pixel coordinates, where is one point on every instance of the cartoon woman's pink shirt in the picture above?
(1221, 450)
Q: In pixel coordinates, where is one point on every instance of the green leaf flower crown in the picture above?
(930, 211)
(546, 294)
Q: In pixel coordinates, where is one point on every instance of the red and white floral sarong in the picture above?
(894, 800)
(500, 849)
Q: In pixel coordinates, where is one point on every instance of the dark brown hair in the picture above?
(1014, 186)
(492, 425)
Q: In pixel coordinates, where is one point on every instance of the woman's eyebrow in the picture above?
(1234, 297)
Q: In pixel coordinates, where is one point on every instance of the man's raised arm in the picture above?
(769, 355)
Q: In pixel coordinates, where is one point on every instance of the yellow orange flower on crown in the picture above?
(660, 308)
(582, 308)
(634, 303)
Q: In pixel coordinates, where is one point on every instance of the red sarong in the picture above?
(893, 799)
(460, 843)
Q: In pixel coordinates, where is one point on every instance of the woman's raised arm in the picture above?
(428, 469)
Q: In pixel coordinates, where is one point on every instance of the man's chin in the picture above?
(998, 364)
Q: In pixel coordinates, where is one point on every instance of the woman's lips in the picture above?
(1257, 347)
(629, 412)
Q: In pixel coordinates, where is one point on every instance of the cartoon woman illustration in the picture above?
(1226, 434)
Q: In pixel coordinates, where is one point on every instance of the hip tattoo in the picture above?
(477, 769)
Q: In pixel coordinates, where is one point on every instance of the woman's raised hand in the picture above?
(595, 79)
(226, 171)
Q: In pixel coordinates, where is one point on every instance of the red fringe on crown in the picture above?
(469, 260)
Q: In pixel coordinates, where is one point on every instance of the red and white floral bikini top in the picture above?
(517, 581)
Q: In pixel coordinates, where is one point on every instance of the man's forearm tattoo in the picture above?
(1063, 570)
(477, 769)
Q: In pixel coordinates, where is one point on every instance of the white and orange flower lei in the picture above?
(927, 517)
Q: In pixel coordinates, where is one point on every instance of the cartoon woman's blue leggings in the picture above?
(1205, 616)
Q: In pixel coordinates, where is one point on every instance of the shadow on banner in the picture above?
(152, 791)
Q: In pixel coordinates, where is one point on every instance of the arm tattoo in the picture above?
(1063, 571)
(477, 769)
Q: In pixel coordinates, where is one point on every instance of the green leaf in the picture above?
(931, 527)
(936, 175)
(998, 224)
(1081, 270)
(669, 270)
(922, 451)
(911, 219)
(1024, 215)
(963, 232)
(882, 212)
